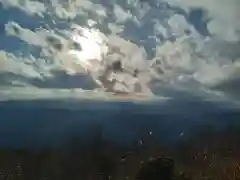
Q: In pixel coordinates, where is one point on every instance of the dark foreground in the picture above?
(212, 156)
(128, 143)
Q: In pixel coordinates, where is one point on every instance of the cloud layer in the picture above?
(159, 39)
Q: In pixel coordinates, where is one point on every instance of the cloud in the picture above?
(228, 33)
(18, 66)
(181, 55)
(224, 16)
(53, 47)
(28, 6)
(30, 37)
(178, 24)
(120, 14)
(18, 71)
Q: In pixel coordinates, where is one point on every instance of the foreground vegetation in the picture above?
(212, 156)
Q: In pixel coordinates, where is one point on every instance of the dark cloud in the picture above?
(55, 42)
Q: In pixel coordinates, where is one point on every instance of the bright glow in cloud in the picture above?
(91, 43)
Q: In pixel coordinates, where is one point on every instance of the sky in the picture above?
(182, 47)
(187, 53)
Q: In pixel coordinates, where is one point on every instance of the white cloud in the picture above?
(18, 66)
(159, 29)
(28, 6)
(227, 33)
(32, 38)
(62, 13)
(178, 24)
(120, 14)
(224, 14)
(184, 61)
